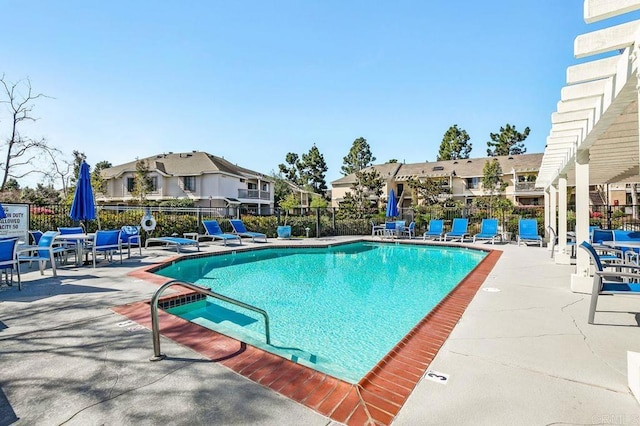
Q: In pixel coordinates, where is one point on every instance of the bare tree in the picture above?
(61, 170)
(20, 150)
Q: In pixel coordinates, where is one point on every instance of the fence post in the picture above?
(317, 222)
(333, 220)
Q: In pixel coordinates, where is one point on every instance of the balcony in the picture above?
(527, 187)
(254, 194)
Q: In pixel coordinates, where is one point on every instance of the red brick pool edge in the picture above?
(375, 400)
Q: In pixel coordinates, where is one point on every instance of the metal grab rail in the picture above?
(155, 324)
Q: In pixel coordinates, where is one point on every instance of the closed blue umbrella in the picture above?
(392, 205)
(82, 207)
(2, 213)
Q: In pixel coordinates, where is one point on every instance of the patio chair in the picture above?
(45, 251)
(436, 229)
(610, 282)
(488, 231)
(106, 242)
(130, 237)
(214, 232)
(528, 232)
(240, 230)
(630, 254)
(553, 240)
(607, 254)
(458, 229)
(35, 236)
(389, 229)
(376, 229)
(9, 260)
(410, 231)
(72, 230)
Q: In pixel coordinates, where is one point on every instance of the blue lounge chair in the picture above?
(436, 229)
(9, 260)
(176, 242)
(610, 282)
(528, 232)
(239, 229)
(214, 232)
(488, 231)
(458, 230)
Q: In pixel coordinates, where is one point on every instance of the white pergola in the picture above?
(594, 132)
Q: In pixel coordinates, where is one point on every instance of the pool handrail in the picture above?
(155, 324)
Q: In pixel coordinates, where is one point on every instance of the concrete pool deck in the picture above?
(521, 355)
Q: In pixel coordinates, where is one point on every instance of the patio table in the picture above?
(80, 240)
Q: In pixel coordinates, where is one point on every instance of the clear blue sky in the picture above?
(253, 80)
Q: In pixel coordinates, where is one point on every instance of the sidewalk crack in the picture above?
(531, 370)
(109, 398)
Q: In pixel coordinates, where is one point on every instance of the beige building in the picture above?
(340, 187)
(208, 180)
(462, 179)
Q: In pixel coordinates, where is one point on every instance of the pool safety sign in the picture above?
(16, 224)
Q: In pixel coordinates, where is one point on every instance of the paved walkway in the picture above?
(521, 355)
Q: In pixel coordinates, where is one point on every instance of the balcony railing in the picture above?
(525, 186)
(254, 194)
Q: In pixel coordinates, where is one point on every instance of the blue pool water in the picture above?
(338, 310)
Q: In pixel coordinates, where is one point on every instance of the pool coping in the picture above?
(375, 399)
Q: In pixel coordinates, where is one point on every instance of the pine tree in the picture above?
(359, 157)
(455, 144)
(313, 170)
(291, 170)
(508, 142)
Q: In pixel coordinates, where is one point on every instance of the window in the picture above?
(529, 201)
(252, 186)
(153, 187)
(438, 168)
(265, 186)
(473, 183)
(189, 183)
(400, 189)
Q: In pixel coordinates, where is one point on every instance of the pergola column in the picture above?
(553, 208)
(581, 282)
(564, 254)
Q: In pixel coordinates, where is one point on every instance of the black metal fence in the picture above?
(320, 222)
(625, 217)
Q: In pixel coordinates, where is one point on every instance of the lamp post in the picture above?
(210, 198)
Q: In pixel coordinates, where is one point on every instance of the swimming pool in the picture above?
(338, 310)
